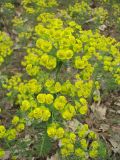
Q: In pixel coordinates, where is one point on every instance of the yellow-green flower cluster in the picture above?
(17, 21)
(82, 106)
(93, 153)
(67, 144)
(25, 105)
(68, 112)
(83, 88)
(15, 120)
(83, 49)
(68, 88)
(71, 145)
(83, 13)
(52, 86)
(83, 131)
(64, 54)
(35, 6)
(32, 86)
(13, 82)
(81, 9)
(9, 6)
(40, 113)
(43, 45)
(2, 153)
(48, 61)
(60, 102)
(2, 131)
(55, 131)
(100, 15)
(45, 98)
(5, 46)
(11, 134)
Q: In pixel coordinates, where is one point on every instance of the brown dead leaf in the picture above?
(104, 127)
(73, 124)
(115, 146)
(100, 112)
(102, 27)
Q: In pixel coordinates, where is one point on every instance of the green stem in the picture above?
(58, 69)
(42, 144)
(94, 79)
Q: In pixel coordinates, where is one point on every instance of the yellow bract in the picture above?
(2, 131)
(55, 131)
(15, 120)
(5, 46)
(45, 98)
(2, 153)
(60, 102)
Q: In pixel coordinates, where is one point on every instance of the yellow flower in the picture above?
(72, 137)
(79, 84)
(83, 110)
(37, 113)
(15, 120)
(54, 131)
(17, 21)
(94, 144)
(2, 131)
(50, 63)
(83, 101)
(51, 131)
(65, 54)
(41, 98)
(20, 127)
(79, 152)
(49, 83)
(60, 102)
(5, 46)
(68, 112)
(64, 141)
(70, 147)
(83, 131)
(93, 153)
(80, 63)
(57, 87)
(9, 5)
(92, 135)
(49, 98)
(41, 112)
(45, 114)
(77, 47)
(11, 134)
(67, 115)
(60, 132)
(84, 143)
(44, 45)
(64, 152)
(25, 105)
(33, 86)
(2, 153)
(44, 58)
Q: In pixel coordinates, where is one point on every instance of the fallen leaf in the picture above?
(115, 146)
(104, 127)
(102, 27)
(100, 112)
(73, 124)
